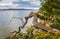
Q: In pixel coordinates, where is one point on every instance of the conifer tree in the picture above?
(50, 13)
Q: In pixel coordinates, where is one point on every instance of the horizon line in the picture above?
(18, 9)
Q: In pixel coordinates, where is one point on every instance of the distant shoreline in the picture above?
(17, 9)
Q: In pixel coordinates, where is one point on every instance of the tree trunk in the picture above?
(45, 28)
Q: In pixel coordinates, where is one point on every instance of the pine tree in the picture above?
(50, 13)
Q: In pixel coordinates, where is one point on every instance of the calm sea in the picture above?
(6, 16)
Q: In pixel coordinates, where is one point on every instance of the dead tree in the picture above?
(37, 24)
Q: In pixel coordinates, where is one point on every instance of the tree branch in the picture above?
(18, 18)
(26, 19)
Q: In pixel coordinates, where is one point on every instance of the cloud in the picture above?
(20, 4)
(8, 4)
(5, 4)
(35, 3)
(30, 0)
(8, 0)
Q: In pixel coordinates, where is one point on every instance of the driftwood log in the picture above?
(38, 25)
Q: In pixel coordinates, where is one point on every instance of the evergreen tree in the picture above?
(50, 13)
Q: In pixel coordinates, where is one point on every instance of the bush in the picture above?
(33, 33)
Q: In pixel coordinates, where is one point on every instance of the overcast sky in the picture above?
(34, 4)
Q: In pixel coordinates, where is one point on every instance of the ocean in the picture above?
(9, 24)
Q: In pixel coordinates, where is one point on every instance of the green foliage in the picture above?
(50, 11)
(33, 33)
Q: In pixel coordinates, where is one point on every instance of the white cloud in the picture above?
(10, 4)
(30, 0)
(28, 7)
(5, 4)
(15, 6)
(9, 0)
(24, 0)
(35, 3)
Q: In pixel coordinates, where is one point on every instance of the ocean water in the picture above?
(6, 16)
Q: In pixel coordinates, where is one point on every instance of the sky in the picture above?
(18, 4)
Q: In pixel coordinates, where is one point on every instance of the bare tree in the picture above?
(17, 18)
(36, 24)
